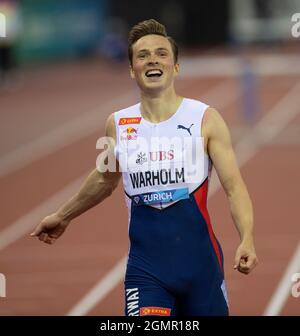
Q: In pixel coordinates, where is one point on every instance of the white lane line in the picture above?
(23, 225)
(226, 89)
(245, 150)
(283, 291)
(289, 136)
(67, 133)
(100, 290)
(233, 66)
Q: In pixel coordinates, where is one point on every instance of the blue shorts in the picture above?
(149, 297)
(175, 262)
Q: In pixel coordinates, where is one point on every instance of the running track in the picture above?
(49, 127)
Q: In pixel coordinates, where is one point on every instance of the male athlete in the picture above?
(175, 262)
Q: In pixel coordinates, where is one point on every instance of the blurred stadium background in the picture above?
(63, 70)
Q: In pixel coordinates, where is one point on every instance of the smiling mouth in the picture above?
(153, 73)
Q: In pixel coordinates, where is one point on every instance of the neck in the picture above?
(160, 107)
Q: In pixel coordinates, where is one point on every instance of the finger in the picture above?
(54, 235)
(243, 270)
(49, 240)
(246, 267)
(251, 262)
(37, 231)
(237, 260)
(53, 239)
(43, 236)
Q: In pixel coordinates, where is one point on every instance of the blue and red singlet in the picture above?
(175, 262)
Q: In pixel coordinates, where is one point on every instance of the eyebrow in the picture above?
(157, 49)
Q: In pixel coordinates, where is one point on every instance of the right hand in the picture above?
(50, 228)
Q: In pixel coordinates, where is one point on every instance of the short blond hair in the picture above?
(149, 27)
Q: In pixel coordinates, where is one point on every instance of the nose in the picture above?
(152, 59)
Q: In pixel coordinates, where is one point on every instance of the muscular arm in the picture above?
(220, 150)
(97, 186)
(94, 190)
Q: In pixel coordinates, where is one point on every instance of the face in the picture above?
(153, 65)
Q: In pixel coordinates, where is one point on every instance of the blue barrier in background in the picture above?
(250, 95)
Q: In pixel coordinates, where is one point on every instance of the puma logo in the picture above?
(185, 128)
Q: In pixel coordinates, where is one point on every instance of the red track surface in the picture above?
(50, 280)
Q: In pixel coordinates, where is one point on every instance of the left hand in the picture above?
(245, 258)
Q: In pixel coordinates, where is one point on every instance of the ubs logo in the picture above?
(162, 155)
(155, 156)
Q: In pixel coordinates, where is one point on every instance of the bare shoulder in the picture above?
(110, 129)
(110, 140)
(213, 125)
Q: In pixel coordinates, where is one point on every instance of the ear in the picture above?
(132, 75)
(176, 69)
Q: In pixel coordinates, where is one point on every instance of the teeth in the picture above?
(153, 72)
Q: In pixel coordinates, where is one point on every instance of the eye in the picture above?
(141, 56)
(163, 53)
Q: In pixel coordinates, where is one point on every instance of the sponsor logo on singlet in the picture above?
(159, 311)
(128, 121)
(130, 133)
(162, 155)
(155, 156)
(157, 177)
(188, 129)
(159, 197)
(141, 158)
